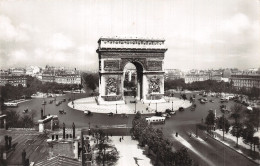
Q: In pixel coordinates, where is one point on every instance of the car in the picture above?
(26, 110)
(164, 115)
(181, 109)
(62, 111)
(87, 112)
(171, 112)
(158, 113)
(123, 115)
(110, 114)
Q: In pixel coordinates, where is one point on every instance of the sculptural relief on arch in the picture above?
(146, 54)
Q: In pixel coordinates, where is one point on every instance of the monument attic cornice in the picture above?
(127, 50)
(131, 44)
(107, 38)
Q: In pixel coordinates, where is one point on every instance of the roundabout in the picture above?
(89, 103)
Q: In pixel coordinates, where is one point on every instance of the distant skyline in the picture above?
(199, 34)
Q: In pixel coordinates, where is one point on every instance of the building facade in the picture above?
(246, 80)
(189, 78)
(172, 74)
(13, 80)
(61, 79)
(68, 79)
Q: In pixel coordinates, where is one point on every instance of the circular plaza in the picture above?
(129, 107)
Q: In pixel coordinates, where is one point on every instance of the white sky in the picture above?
(199, 33)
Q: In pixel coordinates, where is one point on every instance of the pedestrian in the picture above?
(120, 139)
(176, 134)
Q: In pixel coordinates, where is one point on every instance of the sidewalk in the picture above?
(129, 152)
(230, 141)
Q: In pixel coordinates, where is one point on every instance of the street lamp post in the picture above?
(172, 105)
(135, 106)
(223, 127)
(156, 107)
(116, 108)
(197, 130)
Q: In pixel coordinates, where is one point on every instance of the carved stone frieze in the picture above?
(154, 65)
(111, 86)
(131, 54)
(154, 85)
(111, 65)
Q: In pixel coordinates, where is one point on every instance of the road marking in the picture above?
(36, 148)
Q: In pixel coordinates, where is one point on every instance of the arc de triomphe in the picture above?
(146, 54)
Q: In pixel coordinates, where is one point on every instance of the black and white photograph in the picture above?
(129, 82)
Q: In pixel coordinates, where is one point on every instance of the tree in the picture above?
(236, 112)
(27, 121)
(182, 157)
(254, 117)
(12, 118)
(90, 80)
(210, 119)
(248, 133)
(237, 131)
(107, 154)
(222, 120)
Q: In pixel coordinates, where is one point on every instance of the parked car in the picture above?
(110, 114)
(123, 115)
(158, 113)
(181, 109)
(87, 112)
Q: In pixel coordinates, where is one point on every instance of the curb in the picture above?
(233, 149)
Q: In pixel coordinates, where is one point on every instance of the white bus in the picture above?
(155, 119)
(11, 104)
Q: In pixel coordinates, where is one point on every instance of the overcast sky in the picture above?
(200, 34)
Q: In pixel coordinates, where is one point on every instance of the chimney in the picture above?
(23, 157)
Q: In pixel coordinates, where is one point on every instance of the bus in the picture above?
(155, 119)
(11, 104)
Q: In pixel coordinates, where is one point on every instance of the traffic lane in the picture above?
(214, 151)
(217, 152)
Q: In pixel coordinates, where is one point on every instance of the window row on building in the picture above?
(246, 80)
(13, 80)
(62, 79)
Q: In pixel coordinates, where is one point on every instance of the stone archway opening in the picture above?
(133, 80)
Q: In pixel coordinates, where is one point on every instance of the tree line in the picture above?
(161, 147)
(34, 85)
(213, 86)
(15, 120)
(244, 123)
